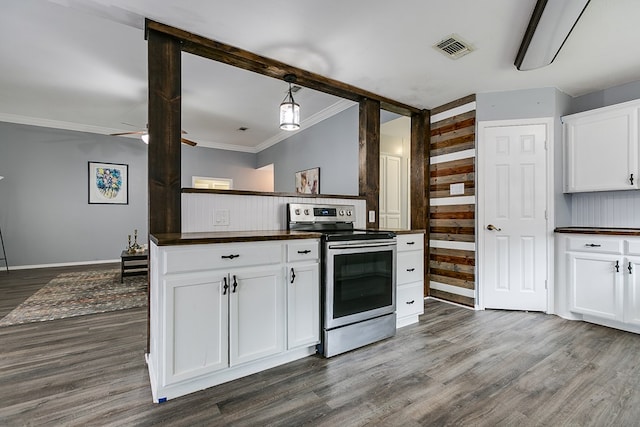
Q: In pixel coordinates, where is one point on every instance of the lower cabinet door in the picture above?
(595, 281)
(631, 272)
(196, 325)
(303, 305)
(256, 313)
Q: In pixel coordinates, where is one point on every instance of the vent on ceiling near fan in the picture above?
(453, 47)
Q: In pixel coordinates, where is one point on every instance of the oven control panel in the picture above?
(306, 212)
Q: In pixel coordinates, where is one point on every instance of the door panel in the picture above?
(514, 253)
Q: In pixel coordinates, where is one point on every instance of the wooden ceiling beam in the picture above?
(211, 49)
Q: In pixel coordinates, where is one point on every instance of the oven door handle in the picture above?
(361, 245)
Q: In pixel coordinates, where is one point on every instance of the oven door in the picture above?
(360, 281)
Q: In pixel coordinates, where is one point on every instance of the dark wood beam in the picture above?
(164, 62)
(419, 179)
(211, 49)
(369, 156)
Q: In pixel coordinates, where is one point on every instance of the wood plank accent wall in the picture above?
(452, 225)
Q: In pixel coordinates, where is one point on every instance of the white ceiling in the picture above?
(81, 64)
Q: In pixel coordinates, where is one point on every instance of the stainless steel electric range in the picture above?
(358, 277)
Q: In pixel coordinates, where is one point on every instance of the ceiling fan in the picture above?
(144, 135)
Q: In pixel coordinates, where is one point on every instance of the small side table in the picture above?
(133, 264)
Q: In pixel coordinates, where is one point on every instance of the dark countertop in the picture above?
(397, 231)
(200, 238)
(611, 231)
(167, 239)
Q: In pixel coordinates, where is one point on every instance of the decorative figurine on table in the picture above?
(135, 247)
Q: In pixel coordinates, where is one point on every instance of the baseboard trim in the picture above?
(451, 302)
(62, 264)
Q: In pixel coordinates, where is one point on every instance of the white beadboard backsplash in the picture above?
(606, 209)
(251, 212)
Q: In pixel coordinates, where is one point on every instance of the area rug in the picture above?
(78, 294)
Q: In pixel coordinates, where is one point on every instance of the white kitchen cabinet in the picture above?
(409, 278)
(596, 287)
(256, 313)
(219, 312)
(303, 305)
(303, 294)
(602, 149)
(632, 297)
(195, 338)
(597, 279)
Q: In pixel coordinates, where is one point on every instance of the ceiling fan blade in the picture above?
(127, 133)
(188, 142)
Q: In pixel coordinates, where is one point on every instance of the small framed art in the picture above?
(308, 181)
(108, 183)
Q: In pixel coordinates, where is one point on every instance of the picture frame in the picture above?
(108, 183)
(308, 181)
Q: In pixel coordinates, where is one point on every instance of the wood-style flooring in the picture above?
(456, 367)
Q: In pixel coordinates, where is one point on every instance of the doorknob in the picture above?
(492, 227)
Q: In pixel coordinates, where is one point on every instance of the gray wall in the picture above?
(331, 145)
(44, 212)
(241, 167)
(604, 98)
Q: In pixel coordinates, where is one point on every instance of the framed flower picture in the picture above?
(108, 183)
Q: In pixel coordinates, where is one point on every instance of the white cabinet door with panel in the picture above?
(602, 149)
(196, 326)
(596, 286)
(256, 313)
(631, 272)
(303, 294)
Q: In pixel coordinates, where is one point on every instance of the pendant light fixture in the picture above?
(289, 110)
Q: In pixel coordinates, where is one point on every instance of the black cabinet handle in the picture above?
(235, 284)
(230, 256)
(591, 245)
(306, 251)
(629, 268)
(411, 269)
(617, 267)
(411, 243)
(293, 275)
(225, 287)
(631, 179)
(411, 302)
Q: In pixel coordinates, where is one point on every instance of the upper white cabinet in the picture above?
(602, 149)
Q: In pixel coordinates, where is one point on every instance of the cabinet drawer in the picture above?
(410, 242)
(633, 247)
(410, 300)
(179, 259)
(595, 244)
(303, 251)
(410, 267)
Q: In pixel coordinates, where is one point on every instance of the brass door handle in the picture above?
(492, 227)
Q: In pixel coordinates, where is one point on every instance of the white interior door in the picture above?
(513, 198)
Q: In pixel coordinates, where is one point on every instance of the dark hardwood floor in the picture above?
(456, 367)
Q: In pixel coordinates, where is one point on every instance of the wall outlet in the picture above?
(372, 216)
(221, 217)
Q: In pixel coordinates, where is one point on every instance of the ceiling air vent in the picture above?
(453, 47)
